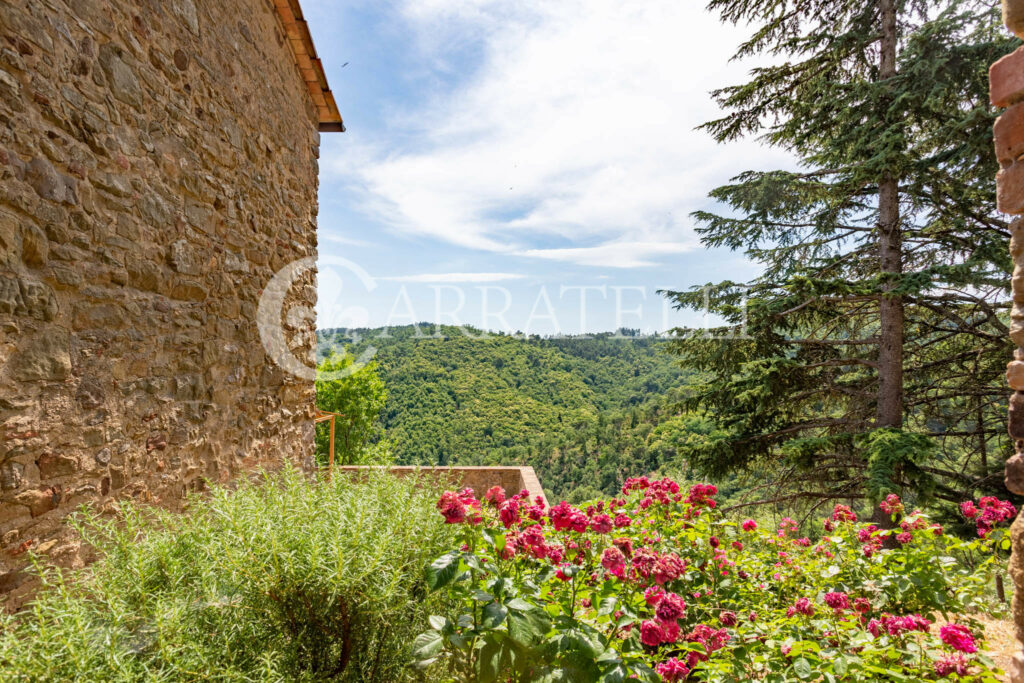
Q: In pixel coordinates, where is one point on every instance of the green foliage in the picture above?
(280, 580)
(893, 455)
(564, 596)
(359, 394)
(584, 411)
(801, 377)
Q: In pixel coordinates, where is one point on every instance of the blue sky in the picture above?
(526, 165)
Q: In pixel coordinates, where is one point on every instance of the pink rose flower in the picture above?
(672, 670)
(651, 633)
(958, 637)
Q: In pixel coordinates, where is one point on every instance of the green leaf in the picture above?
(489, 662)
(528, 628)
(802, 668)
(441, 571)
(494, 614)
(607, 606)
(427, 645)
(616, 674)
(519, 605)
(438, 623)
(496, 659)
(645, 673)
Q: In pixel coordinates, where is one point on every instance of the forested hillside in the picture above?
(584, 411)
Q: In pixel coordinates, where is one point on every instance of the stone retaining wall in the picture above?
(158, 163)
(1007, 90)
(512, 479)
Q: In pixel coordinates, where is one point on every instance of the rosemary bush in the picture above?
(279, 580)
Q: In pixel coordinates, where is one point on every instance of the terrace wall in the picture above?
(513, 479)
(158, 164)
(1007, 90)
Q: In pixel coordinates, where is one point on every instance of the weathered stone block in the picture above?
(188, 290)
(1014, 474)
(1015, 375)
(1016, 568)
(41, 500)
(180, 59)
(1013, 16)
(46, 357)
(1010, 188)
(1016, 415)
(12, 475)
(1016, 669)
(1008, 133)
(90, 394)
(183, 259)
(1006, 79)
(121, 78)
(112, 183)
(56, 465)
(27, 297)
(87, 316)
(12, 511)
(186, 11)
(48, 183)
(35, 248)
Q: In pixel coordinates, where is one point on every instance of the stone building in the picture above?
(1007, 90)
(158, 165)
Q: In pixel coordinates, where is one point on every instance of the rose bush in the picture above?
(658, 585)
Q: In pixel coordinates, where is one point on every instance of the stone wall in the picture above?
(157, 166)
(1007, 90)
(513, 479)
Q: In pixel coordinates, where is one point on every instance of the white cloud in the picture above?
(455, 277)
(577, 128)
(611, 254)
(325, 236)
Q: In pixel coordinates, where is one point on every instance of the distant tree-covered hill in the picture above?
(584, 411)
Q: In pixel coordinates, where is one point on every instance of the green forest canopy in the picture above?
(584, 411)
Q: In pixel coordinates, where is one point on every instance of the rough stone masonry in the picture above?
(158, 164)
(1007, 90)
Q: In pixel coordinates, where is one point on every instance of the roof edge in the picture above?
(309, 65)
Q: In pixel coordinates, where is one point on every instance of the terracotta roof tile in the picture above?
(310, 68)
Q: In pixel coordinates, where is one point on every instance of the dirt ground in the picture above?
(1002, 641)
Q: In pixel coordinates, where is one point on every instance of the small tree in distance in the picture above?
(359, 394)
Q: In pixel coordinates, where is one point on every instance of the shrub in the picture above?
(658, 585)
(280, 580)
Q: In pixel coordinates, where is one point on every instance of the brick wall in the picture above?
(157, 166)
(1007, 91)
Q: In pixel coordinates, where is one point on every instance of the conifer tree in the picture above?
(867, 357)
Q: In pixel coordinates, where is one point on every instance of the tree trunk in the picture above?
(890, 252)
(890, 247)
